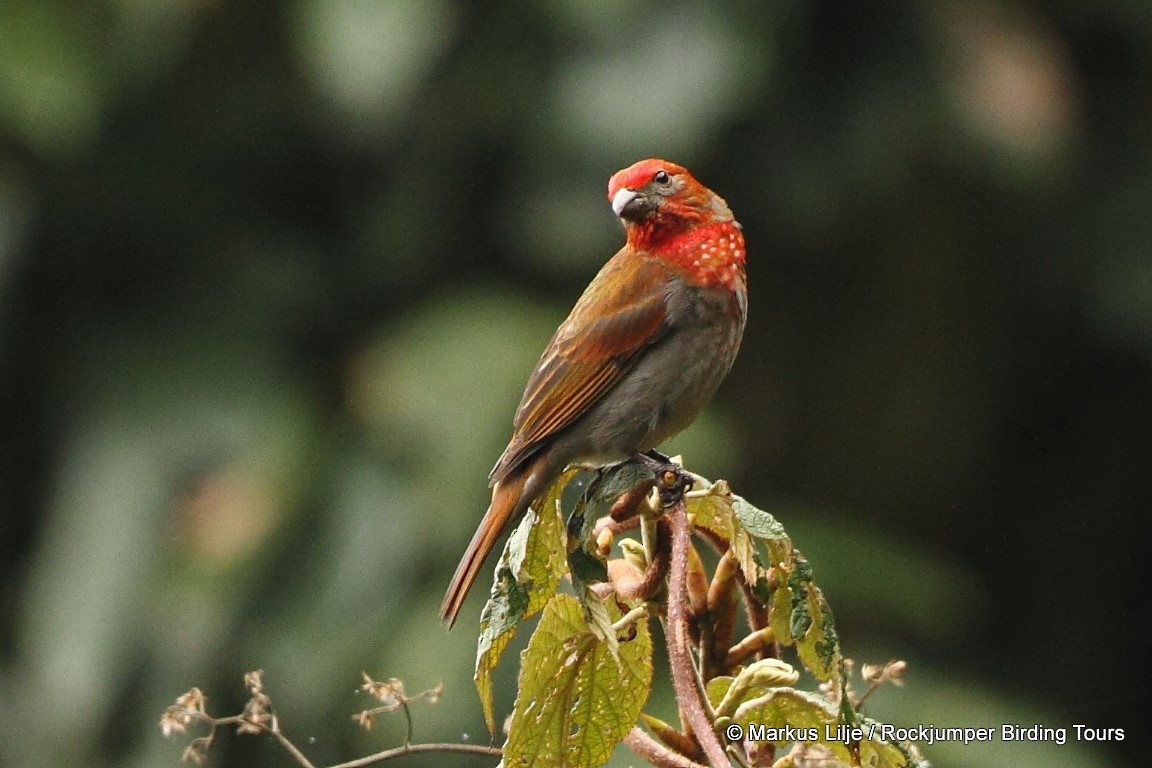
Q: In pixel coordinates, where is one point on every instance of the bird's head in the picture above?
(660, 195)
(668, 214)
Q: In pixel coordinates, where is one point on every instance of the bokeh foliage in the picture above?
(273, 274)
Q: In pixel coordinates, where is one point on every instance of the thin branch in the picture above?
(702, 688)
(407, 723)
(290, 748)
(630, 618)
(412, 749)
(656, 753)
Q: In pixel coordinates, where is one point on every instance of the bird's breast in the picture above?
(709, 256)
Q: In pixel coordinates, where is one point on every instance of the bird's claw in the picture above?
(672, 482)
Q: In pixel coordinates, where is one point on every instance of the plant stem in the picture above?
(407, 723)
(412, 749)
(654, 752)
(684, 679)
(291, 748)
(630, 618)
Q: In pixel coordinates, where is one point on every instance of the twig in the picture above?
(290, 748)
(656, 753)
(411, 749)
(630, 618)
(407, 722)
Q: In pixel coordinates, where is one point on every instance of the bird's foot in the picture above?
(655, 455)
(671, 479)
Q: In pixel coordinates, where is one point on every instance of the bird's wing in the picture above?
(622, 311)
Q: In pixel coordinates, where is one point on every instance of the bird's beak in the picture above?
(621, 199)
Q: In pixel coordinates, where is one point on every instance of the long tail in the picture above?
(507, 501)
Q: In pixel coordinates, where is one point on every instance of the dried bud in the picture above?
(254, 681)
(192, 754)
(390, 694)
(364, 719)
(256, 716)
(604, 542)
(193, 699)
(173, 721)
(872, 673)
(248, 726)
(892, 672)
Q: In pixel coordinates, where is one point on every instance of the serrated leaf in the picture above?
(801, 710)
(529, 570)
(787, 706)
(712, 511)
(812, 626)
(756, 521)
(744, 548)
(800, 616)
(794, 716)
(716, 513)
(576, 702)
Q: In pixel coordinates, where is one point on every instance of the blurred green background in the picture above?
(272, 276)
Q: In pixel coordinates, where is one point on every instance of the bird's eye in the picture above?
(661, 177)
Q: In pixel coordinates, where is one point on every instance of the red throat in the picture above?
(712, 254)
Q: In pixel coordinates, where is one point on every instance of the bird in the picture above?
(642, 352)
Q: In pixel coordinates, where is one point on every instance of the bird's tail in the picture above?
(506, 503)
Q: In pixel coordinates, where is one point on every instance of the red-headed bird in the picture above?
(641, 353)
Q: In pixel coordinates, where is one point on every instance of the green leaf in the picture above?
(756, 521)
(794, 716)
(527, 575)
(576, 702)
(813, 715)
(712, 511)
(800, 616)
(780, 613)
(716, 512)
(717, 687)
(779, 707)
(811, 624)
(586, 568)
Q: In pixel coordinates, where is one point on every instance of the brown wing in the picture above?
(622, 311)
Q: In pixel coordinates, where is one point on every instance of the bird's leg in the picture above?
(671, 479)
(654, 454)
